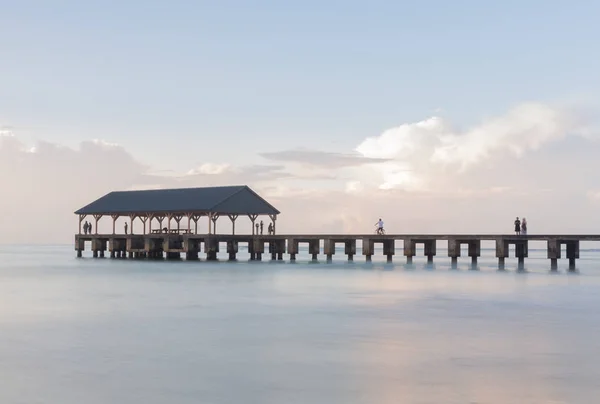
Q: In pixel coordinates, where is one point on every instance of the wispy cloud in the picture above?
(321, 159)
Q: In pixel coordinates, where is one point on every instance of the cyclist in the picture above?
(379, 225)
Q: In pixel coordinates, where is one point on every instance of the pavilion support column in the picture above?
(144, 219)
(160, 220)
(178, 221)
(253, 219)
(81, 217)
(189, 218)
(210, 223)
(114, 218)
(131, 218)
(214, 218)
(233, 219)
(97, 218)
(274, 220)
(195, 218)
(169, 217)
(150, 217)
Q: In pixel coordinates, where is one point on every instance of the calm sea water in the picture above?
(122, 331)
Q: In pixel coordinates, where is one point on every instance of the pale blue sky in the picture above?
(223, 80)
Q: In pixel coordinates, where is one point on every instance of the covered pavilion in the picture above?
(177, 204)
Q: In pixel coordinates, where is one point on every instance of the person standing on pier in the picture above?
(85, 227)
(270, 228)
(517, 226)
(524, 227)
(125, 227)
(261, 227)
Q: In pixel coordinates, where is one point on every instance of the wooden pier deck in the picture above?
(172, 246)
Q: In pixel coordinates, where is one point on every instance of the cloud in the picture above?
(210, 169)
(422, 151)
(321, 159)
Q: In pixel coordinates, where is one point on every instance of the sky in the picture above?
(436, 116)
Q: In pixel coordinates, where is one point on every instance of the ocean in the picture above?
(102, 331)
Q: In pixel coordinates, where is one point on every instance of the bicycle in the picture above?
(380, 231)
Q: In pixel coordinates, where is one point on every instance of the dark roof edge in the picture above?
(264, 200)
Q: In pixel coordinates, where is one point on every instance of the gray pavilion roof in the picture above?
(224, 200)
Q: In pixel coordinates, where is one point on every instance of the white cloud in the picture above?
(210, 169)
(426, 150)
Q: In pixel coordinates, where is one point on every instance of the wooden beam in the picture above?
(132, 218)
(274, 220)
(81, 217)
(233, 219)
(214, 218)
(114, 218)
(144, 219)
(253, 218)
(150, 216)
(97, 218)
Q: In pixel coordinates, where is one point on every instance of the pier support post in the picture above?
(232, 249)
(314, 249)
(79, 246)
(501, 252)
(474, 252)
(292, 248)
(430, 250)
(368, 247)
(389, 249)
(211, 248)
(453, 252)
(553, 254)
(258, 247)
(280, 249)
(350, 249)
(329, 249)
(410, 250)
(522, 252)
(572, 254)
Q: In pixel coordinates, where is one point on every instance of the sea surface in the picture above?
(102, 331)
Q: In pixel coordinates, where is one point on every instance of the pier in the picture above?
(172, 239)
(323, 247)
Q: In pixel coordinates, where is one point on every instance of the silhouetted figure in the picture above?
(517, 226)
(261, 227)
(85, 227)
(165, 230)
(125, 227)
(270, 228)
(524, 227)
(89, 228)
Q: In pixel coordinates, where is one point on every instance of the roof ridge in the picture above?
(242, 187)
